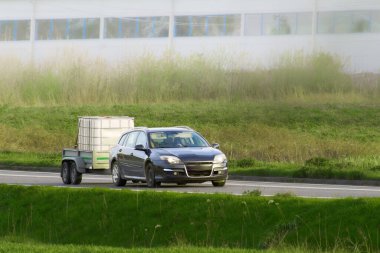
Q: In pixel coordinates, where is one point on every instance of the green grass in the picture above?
(30, 159)
(13, 247)
(148, 219)
(344, 168)
(277, 137)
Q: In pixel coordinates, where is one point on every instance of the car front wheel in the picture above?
(151, 177)
(116, 177)
(219, 183)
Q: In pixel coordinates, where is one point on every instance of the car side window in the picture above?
(122, 139)
(141, 139)
(130, 143)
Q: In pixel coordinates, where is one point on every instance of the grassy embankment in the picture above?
(303, 118)
(103, 217)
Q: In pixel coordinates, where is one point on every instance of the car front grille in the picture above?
(199, 169)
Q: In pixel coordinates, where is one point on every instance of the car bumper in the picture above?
(183, 174)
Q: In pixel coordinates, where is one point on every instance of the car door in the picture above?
(139, 156)
(121, 153)
(129, 147)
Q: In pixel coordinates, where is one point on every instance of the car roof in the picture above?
(160, 129)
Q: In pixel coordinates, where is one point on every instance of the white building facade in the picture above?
(259, 30)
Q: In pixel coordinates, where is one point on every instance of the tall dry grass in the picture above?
(173, 78)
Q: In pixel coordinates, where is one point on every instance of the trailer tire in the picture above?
(65, 173)
(116, 177)
(76, 177)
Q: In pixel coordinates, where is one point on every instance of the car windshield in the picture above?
(176, 139)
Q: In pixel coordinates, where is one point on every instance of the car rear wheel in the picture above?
(75, 176)
(219, 183)
(116, 177)
(151, 177)
(65, 172)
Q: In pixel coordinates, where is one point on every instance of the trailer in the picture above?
(96, 136)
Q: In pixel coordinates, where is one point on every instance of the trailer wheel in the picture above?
(116, 177)
(65, 173)
(76, 177)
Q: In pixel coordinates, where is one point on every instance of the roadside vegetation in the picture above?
(303, 118)
(74, 81)
(28, 247)
(146, 220)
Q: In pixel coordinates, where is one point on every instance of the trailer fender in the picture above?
(78, 161)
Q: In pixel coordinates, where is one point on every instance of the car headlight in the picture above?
(221, 158)
(171, 159)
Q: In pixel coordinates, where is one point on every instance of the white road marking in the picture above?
(306, 187)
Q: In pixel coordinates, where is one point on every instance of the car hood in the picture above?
(200, 154)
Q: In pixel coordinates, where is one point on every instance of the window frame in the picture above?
(146, 139)
(129, 136)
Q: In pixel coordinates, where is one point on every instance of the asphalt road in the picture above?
(232, 187)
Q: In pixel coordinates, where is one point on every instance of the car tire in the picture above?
(219, 183)
(75, 176)
(65, 173)
(150, 177)
(116, 177)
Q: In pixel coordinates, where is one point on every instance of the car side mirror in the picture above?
(215, 145)
(140, 147)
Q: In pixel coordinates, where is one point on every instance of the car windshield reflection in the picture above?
(176, 139)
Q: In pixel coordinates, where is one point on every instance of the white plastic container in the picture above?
(101, 133)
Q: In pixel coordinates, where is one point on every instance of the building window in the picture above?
(92, 28)
(253, 24)
(75, 29)
(66, 29)
(361, 22)
(182, 26)
(342, 22)
(326, 22)
(211, 25)
(304, 23)
(346, 22)
(199, 26)
(375, 21)
(14, 30)
(232, 25)
(161, 27)
(217, 25)
(137, 27)
(278, 24)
